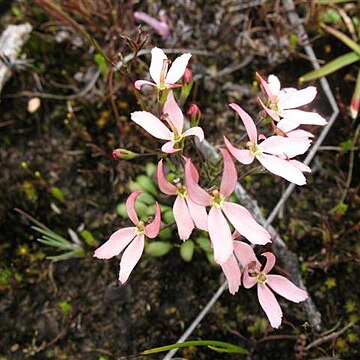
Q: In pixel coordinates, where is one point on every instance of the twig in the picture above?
(329, 337)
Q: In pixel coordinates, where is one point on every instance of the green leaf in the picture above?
(219, 346)
(204, 243)
(101, 63)
(158, 248)
(150, 168)
(88, 238)
(187, 250)
(146, 198)
(168, 217)
(146, 184)
(121, 210)
(165, 234)
(58, 194)
(331, 67)
(343, 38)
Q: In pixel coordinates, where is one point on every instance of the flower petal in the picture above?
(248, 122)
(265, 88)
(177, 68)
(270, 305)
(173, 113)
(303, 117)
(280, 146)
(248, 281)
(196, 193)
(116, 243)
(245, 224)
(229, 175)
(270, 261)
(302, 167)
(286, 288)
(130, 258)
(197, 131)
(245, 254)
(220, 236)
(294, 99)
(272, 113)
(242, 155)
(298, 133)
(156, 65)
(232, 273)
(165, 186)
(169, 147)
(182, 217)
(198, 214)
(274, 84)
(283, 168)
(151, 124)
(139, 83)
(130, 206)
(152, 229)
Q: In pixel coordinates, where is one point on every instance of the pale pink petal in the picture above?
(303, 117)
(194, 172)
(298, 133)
(244, 222)
(245, 254)
(196, 193)
(198, 214)
(165, 186)
(182, 217)
(197, 131)
(242, 155)
(177, 68)
(297, 98)
(139, 83)
(283, 168)
(232, 273)
(270, 305)
(270, 261)
(151, 124)
(280, 145)
(160, 26)
(174, 113)
(272, 113)
(286, 288)
(130, 258)
(265, 88)
(130, 206)
(220, 235)
(156, 65)
(169, 148)
(302, 167)
(248, 280)
(229, 175)
(287, 125)
(116, 243)
(152, 229)
(274, 85)
(248, 122)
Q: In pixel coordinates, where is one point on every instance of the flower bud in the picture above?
(123, 154)
(194, 114)
(187, 77)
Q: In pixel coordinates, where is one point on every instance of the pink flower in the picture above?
(175, 119)
(243, 254)
(238, 216)
(160, 26)
(281, 285)
(282, 103)
(164, 78)
(131, 238)
(274, 153)
(187, 213)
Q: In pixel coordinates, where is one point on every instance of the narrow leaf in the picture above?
(331, 67)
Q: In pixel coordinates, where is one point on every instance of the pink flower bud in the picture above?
(187, 77)
(123, 154)
(194, 114)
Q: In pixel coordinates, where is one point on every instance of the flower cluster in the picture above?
(210, 209)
